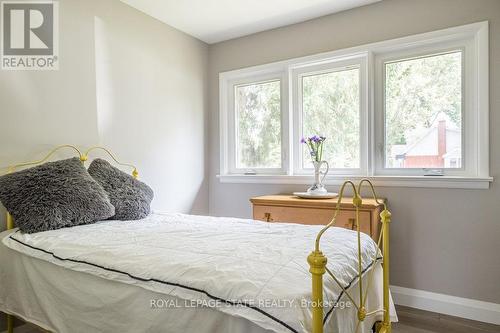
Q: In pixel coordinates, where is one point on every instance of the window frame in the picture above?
(468, 126)
(336, 65)
(230, 138)
(475, 174)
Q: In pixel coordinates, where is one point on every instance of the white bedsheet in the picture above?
(201, 259)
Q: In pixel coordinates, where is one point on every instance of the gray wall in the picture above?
(443, 240)
(138, 86)
(126, 81)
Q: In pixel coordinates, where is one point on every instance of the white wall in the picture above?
(443, 240)
(126, 81)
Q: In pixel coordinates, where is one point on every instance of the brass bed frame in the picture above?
(317, 260)
(317, 263)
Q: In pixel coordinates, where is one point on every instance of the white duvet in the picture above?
(245, 268)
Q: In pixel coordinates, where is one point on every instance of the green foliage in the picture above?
(258, 111)
(331, 109)
(417, 90)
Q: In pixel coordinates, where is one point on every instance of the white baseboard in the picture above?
(450, 305)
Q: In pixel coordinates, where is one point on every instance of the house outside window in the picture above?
(437, 146)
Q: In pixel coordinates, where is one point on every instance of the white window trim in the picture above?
(381, 181)
(337, 65)
(469, 117)
(228, 134)
(476, 33)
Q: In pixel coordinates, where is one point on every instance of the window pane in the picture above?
(330, 106)
(258, 118)
(423, 112)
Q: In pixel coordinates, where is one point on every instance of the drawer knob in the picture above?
(267, 217)
(352, 223)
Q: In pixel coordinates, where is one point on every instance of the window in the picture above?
(328, 102)
(423, 111)
(258, 125)
(395, 111)
(255, 136)
(330, 106)
(428, 112)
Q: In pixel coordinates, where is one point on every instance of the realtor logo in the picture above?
(29, 35)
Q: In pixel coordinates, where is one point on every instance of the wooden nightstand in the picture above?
(291, 209)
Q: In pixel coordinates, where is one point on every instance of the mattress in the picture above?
(77, 297)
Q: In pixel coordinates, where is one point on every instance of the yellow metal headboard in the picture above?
(85, 156)
(12, 168)
(82, 156)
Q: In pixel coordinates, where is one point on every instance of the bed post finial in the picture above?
(317, 263)
(84, 158)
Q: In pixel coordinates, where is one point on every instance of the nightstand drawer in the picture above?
(314, 216)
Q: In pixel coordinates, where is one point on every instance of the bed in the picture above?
(175, 272)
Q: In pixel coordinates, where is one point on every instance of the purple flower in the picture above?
(315, 146)
(315, 139)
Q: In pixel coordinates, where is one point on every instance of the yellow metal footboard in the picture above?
(317, 262)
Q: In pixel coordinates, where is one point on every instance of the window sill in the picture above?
(382, 181)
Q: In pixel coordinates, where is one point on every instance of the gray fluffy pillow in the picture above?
(131, 198)
(54, 195)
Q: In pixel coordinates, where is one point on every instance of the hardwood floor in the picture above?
(410, 321)
(418, 321)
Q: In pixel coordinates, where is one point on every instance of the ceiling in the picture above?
(213, 21)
